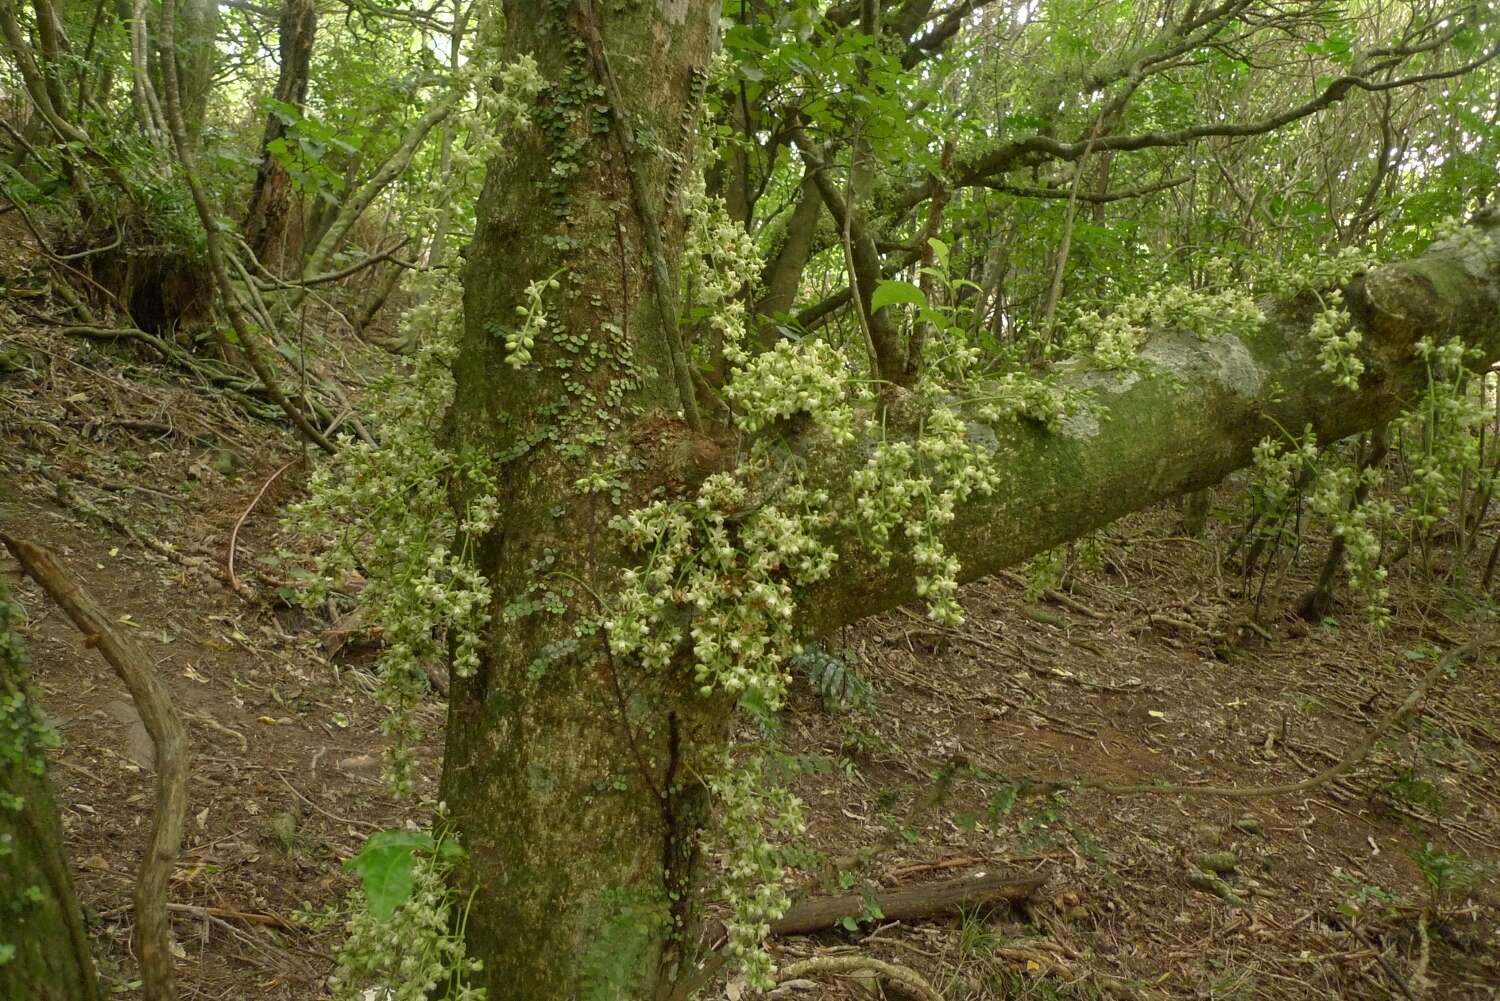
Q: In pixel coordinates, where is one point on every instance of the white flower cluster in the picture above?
(1114, 339)
(918, 487)
(1020, 394)
(1316, 272)
(503, 96)
(793, 378)
(385, 511)
(1275, 477)
(1442, 449)
(736, 571)
(1358, 525)
(1279, 475)
(410, 952)
(1459, 234)
(719, 262)
(495, 100)
(1338, 341)
(751, 809)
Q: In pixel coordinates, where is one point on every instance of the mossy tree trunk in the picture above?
(44, 953)
(575, 780)
(265, 225)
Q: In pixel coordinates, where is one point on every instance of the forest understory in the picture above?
(922, 752)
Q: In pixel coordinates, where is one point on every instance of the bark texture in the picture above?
(39, 914)
(573, 781)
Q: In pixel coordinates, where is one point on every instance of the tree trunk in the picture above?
(197, 33)
(576, 780)
(266, 218)
(41, 928)
(375, 299)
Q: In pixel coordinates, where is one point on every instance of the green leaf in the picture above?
(939, 251)
(1004, 800)
(385, 868)
(889, 293)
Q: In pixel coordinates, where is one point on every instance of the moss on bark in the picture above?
(44, 953)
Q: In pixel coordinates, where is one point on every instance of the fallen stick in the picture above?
(152, 701)
(965, 893)
(248, 917)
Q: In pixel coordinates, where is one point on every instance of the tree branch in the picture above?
(1037, 149)
(1192, 416)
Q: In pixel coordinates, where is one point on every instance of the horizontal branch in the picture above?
(1193, 415)
(1085, 196)
(1037, 149)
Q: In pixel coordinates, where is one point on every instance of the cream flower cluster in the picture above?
(385, 511)
(736, 569)
(794, 377)
(410, 952)
(917, 486)
(753, 808)
(1338, 341)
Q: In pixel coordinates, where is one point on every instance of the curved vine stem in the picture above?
(662, 284)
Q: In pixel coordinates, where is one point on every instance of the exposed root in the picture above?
(908, 978)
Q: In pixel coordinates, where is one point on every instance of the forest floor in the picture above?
(1378, 884)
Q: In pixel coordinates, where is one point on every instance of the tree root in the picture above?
(910, 979)
(168, 735)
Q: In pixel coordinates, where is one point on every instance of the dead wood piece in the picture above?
(966, 893)
(170, 737)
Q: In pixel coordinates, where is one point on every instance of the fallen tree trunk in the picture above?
(913, 903)
(1193, 415)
